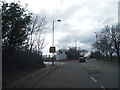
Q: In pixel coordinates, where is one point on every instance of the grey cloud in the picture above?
(65, 28)
(68, 13)
(82, 38)
(87, 40)
(109, 21)
(62, 1)
(96, 12)
(66, 39)
(65, 15)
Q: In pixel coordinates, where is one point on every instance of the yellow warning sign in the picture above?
(52, 50)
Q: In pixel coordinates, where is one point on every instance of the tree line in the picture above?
(107, 44)
(22, 37)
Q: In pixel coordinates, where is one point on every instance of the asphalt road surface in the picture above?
(71, 74)
(91, 74)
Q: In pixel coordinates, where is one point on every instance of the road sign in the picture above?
(52, 50)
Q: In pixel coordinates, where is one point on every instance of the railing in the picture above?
(14, 60)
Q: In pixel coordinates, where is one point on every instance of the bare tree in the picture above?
(115, 35)
(101, 43)
(39, 44)
(36, 39)
(108, 41)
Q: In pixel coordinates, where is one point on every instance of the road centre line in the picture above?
(93, 79)
(102, 87)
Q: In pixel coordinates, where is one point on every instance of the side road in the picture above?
(31, 79)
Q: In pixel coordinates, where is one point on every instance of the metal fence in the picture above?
(14, 60)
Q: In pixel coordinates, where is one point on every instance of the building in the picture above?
(61, 55)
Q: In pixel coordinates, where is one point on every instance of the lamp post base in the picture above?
(53, 59)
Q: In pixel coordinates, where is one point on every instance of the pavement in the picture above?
(29, 80)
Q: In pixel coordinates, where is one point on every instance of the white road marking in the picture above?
(62, 63)
(102, 87)
(93, 79)
(47, 62)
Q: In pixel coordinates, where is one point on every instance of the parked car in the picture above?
(81, 59)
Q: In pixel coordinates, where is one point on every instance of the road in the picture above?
(91, 74)
(71, 74)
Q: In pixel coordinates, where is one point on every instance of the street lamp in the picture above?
(52, 49)
(53, 29)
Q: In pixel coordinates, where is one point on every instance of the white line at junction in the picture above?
(102, 87)
(93, 79)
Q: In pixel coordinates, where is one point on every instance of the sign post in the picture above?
(52, 50)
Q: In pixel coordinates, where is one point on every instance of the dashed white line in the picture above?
(93, 79)
(102, 87)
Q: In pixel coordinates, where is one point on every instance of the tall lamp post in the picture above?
(52, 49)
(53, 29)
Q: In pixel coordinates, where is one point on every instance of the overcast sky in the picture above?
(80, 19)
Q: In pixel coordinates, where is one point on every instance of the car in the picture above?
(81, 59)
